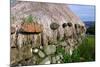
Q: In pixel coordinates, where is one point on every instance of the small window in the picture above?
(64, 25)
(54, 26)
(75, 26)
(79, 26)
(82, 27)
(69, 24)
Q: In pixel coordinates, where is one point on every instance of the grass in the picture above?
(29, 19)
(84, 53)
(87, 48)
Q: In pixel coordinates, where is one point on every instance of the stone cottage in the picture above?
(53, 25)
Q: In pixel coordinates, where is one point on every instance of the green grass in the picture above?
(87, 48)
(85, 51)
(29, 19)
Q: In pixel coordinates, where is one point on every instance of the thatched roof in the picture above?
(39, 9)
(45, 14)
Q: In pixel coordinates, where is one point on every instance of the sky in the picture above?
(85, 12)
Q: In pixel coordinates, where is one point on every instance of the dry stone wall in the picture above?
(54, 26)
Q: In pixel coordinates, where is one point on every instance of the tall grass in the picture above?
(85, 51)
(87, 48)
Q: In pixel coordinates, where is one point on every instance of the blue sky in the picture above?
(85, 12)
